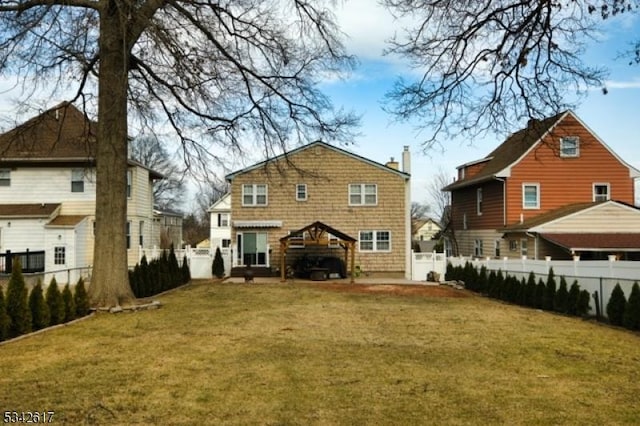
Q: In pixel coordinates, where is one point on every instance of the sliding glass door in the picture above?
(252, 248)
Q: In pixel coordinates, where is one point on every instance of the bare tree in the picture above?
(418, 212)
(441, 204)
(486, 65)
(169, 192)
(241, 70)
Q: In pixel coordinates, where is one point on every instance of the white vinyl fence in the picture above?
(423, 263)
(592, 275)
(200, 259)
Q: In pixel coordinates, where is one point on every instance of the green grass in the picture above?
(295, 354)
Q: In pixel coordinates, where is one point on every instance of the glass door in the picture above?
(253, 248)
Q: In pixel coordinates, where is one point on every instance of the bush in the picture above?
(55, 303)
(573, 298)
(69, 304)
(175, 276)
(631, 319)
(17, 303)
(550, 292)
(482, 280)
(186, 272)
(81, 299)
(584, 301)
(38, 307)
(562, 297)
(4, 318)
(218, 264)
(522, 292)
(531, 290)
(616, 305)
(540, 292)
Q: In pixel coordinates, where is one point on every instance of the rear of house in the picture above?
(365, 200)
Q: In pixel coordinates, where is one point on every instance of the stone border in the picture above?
(42, 330)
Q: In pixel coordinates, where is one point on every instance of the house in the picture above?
(48, 198)
(220, 223)
(555, 174)
(167, 230)
(321, 194)
(424, 229)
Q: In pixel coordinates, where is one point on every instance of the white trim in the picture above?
(374, 241)
(524, 205)
(363, 194)
(254, 194)
(593, 190)
(306, 194)
(567, 138)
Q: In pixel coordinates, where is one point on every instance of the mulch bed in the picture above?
(394, 289)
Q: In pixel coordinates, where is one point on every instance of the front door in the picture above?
(252, 248)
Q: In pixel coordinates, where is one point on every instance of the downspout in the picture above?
(535, 244)
(406, 168)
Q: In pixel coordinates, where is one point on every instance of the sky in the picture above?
(613, 117)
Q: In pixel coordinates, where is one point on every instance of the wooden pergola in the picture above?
(317, 234)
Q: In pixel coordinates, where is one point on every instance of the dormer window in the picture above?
(570, 147)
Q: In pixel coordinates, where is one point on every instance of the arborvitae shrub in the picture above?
(144, 280)
(449, 274)
(491, 282)
(134, 280)
(185, 271)
(39, 308)
(550, 292)
(482, 280)
(55, 303)
(584, 301)
(81, 299)
(631, 319)
(466, 275)
(572, 298)
(562, 297)
(69, 304)
(531, 290)
(217, 268)
(18, 303)
(4, 318)
(540, 292)
(616, 305)
(522, 292)
(174, 269)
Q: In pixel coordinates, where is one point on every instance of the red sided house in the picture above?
(552, 189)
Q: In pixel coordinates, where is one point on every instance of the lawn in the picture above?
(300, 354)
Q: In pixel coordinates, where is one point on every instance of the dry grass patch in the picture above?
(296, 354)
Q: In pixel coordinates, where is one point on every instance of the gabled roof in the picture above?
(66, 221)
(28, 211)
(287, 154)
(609, 241)
(225, 199)
(549, 216)
(319, 227)
(517, 146)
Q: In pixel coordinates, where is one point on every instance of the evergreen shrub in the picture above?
(18, 303)
(616, 305)
(55, 303)
(39, 308)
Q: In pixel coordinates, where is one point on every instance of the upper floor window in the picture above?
(375, 240)
(479, 201)
(301, 192)
(570, 146)
(129, 181)
(531, 195)
(601, 192)
(363, 194)
(5, 177)
(254, 195)
(77, 180)
(223, 220)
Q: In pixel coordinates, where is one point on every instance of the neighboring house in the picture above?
(47, 192)
(206, 243)
(425, 229)
(360, 199)
(220, 223)
(554, 174)
(167, 228)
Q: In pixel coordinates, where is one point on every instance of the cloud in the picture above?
(633, 84)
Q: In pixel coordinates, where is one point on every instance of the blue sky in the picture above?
(614, 117)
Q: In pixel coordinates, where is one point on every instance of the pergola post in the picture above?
(353, 259)
(283, 253)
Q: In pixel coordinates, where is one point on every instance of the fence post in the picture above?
(601, 298)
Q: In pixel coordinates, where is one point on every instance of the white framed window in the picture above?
(254, 194)
(531, 195)
(375, 240)
(301, 192)
(226, 243)
(77, 180)
(479, 201)
(513, 245)
(570, 146)
(524, 250)
(334, 242)
(363, 194)
(141, 234)
(497, 248)
(127, 233)
(59, 256)
(223, 220)
(601, 192)
(464, 221)
(477, 248)
(5, 177)
(296, 240)
(129, 182)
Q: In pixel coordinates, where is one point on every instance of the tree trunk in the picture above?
(110, 280)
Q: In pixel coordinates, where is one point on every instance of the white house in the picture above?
(220, 229)
(48, 197)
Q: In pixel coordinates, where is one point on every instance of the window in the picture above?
(223, 220)
(479, 201)
(513, 245)
(601, 192)
(531, 195)
(141, 234)
(570, 147)
(59, 256)
(127, 233)
(523, 247)
(5, 177)
(77, 180)
(363, 194)
(497, 248)
(301, 192)
(477, 248)
(254, 195)
(226, 243)
(296, 240)
(129, 180)
(333, 241)
(375, 240)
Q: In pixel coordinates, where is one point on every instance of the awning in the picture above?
(257, 223)
(596, 241)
